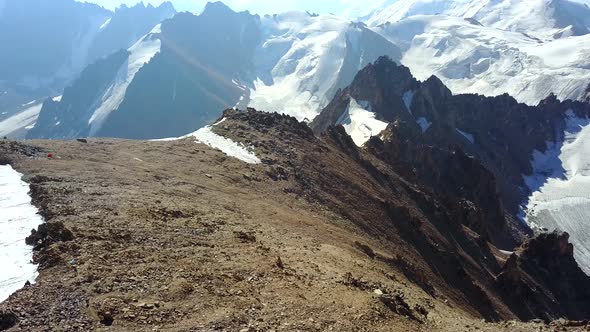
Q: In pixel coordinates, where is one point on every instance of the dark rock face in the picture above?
(183, 87)
(57, 27)
(498, 131)
(126, 26)
(191, 78)
(381, 83)
(47, 234)
(545, 278)
(572, 15)
(467, 188)
(7, 320)
(43, 58)
(69, 117)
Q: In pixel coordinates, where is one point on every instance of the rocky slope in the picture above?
(144, 235)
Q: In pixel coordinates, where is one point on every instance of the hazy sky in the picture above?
(254, 6)
(265, 6)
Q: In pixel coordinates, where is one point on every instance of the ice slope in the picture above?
(303, 60)
(17, 125)
(561, 188)
(139, 54)
(17, 218)
(360, 123)
(470, 58)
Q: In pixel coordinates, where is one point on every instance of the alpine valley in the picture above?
(415, 165)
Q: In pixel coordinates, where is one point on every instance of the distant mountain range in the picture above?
(195, 65)
(48, 44)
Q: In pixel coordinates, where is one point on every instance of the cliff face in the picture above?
(541, 270)
(498, 132)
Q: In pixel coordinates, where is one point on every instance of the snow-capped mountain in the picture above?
(292, 63)
(544, 19)
(304, 60)
(46, 56)
(528, 48)
(471, 58)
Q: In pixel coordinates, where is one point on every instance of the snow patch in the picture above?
(424, 124)
(17, 219)
(408, 97)
(206, 136)
(360, 123)
(467, 135)
(157, 29)
(56, 98)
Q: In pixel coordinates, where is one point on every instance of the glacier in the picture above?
(560, 186)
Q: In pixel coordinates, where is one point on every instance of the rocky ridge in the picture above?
(142, 235)
(500, 133)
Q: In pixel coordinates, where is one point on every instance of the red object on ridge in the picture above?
(50, 155)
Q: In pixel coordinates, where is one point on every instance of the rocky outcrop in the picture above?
(544, 277)
(500, 133)
(465, 186)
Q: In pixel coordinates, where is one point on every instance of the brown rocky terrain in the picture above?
(322, 236)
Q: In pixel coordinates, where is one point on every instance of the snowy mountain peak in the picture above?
(541, 18)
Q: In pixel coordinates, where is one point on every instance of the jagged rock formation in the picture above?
(499, 132)
(176, 81)
(541, 270)
(397, 189)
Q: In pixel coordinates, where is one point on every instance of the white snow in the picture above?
(408, 97)
(206, 136)
(17, 219)
(29, 103)
(471, 58)
(467, 135)
(301, 62)
(20, 121)
(239, 151)
(561, 188)
(424, 124)
(57, 98)
(360, 123)
(140, 54)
